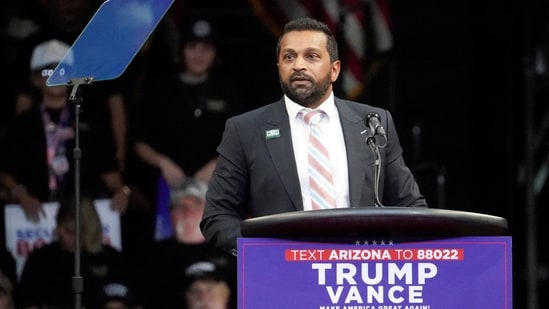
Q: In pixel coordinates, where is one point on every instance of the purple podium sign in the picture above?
(464, 272)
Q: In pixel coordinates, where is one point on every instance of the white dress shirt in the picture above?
(331, 127)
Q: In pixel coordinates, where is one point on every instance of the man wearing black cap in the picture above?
(208, 286)
(117, 295)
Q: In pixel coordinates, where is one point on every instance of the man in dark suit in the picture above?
(263, 158)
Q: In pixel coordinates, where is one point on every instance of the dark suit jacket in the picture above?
(257, 176)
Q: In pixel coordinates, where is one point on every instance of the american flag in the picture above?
(362, 28)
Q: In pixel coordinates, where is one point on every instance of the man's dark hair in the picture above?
(310, 24)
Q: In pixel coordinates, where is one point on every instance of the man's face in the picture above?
(66, 234)
(199, 57)
(208, 294)
(305, 69)
(185, 218)
(39, 79)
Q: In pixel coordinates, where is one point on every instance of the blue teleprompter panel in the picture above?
(109, 42)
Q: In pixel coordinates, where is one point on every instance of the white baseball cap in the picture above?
(48, 53)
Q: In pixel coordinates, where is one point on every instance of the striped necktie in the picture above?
(320, 172)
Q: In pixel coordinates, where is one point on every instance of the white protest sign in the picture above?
(23, 236)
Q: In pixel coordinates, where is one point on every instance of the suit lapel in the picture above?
(358, 153)
(279, 144)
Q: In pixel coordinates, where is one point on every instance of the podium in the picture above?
(375, 258)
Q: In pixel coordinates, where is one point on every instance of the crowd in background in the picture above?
(466, 35)
(148, 144)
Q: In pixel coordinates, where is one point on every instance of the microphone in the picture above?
(374, 122)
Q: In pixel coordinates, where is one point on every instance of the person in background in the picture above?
(117, 295)
(189, 106)
(263, 166)
(207, 286)
(171, 256)
(186, 209)
(47, 272)
(37, 164)
(64, 20)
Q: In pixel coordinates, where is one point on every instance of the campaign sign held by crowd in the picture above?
(23, 235)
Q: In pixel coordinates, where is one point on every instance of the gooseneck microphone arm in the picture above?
(372, 120)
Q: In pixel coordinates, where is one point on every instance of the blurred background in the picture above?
(467, 83)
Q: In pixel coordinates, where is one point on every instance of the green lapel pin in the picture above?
(273, 133)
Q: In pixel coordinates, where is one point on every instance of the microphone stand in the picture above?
(76, 98)
(131, 33)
